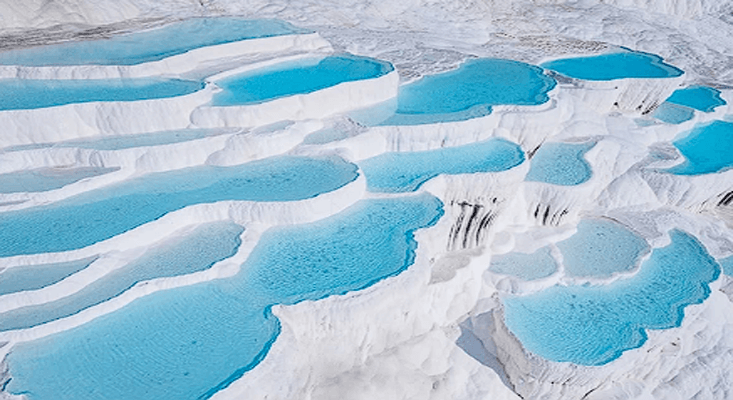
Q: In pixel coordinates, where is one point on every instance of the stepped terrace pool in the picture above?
(33, 277)
(594, 325)
(407, 171)
(190, 342)
(619, 65)
(296, 77)
(150, 45)
(527, 266)
(100, 214)
(464, 93)
(701, 98)
(673, 113)
(42, 179)
(706, 149)
(25, 94)
(560, 164)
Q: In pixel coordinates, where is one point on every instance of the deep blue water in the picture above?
(560, 164)
(700, 98)
(673, 113)
(151, 45)
(196, 251)
(32, 277)
(23, 94)
(191, 342)
(606, 67)
(39, 180)
(706, 149)
(100, 214)
(594, 325)
(407, 171)
(296, 77)
(601, 248)
(539, 264)
(468, 92)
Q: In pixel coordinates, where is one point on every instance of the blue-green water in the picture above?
(601, 248)
(151, 45)
(606, 67)
(673, 113)
(196, 251)
(296, 77)
(469, 92)
(706, 149)
(42, 179)
(407, 171)
(528, 266)
(100, 214)
(191, 342)
(594, 325)
(33, 277)
(700, 98)
(560, 164)
(23, 94)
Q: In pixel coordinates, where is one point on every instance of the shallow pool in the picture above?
(196, 251)
(467, 92)
(191, 342)
(673, 113)
(601, 248)
(706, 149)
(727, 264)
(560, 164)
(527, 266)
(100, 214)
(296, 77)
(33, 277)
(42, 179)
(24, 94)
(150, 45)
(700, 98)
(620, 65)
(594, 325)
(407, 171)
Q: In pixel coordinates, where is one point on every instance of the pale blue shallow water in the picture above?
(706, 149)
(122, 142)
(100, 214)
(528, 266)
(407, 171)
(464, 93)
(151, 45)
(24, 94)
(700, 98)
(673, 113)
(33, 277)
(189, 343)
(196, 251)
(560, 164)
(42, 179)
(727, 264)
(601, 248)
(296, 77)
(606, 67)
(594, 325)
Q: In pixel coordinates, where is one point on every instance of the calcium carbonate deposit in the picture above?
(366, 199)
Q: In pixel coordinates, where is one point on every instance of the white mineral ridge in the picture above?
(436, 330)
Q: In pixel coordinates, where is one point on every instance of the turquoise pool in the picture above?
(619, 65)
(673, 113)
(100, 214)
(701, 98)
(191, 342)
(706, 149)
(527, 266)
(150, 45)
(560, 164)
(33, 277)
(42, 179)
(590, 325)
(296, 77)
(407, 171)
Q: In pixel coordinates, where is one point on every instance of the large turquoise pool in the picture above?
(706, 149)
(150, 45)
(191, 342)
(594, 325)
(94, 216)
(619, 65)
(296, 77)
